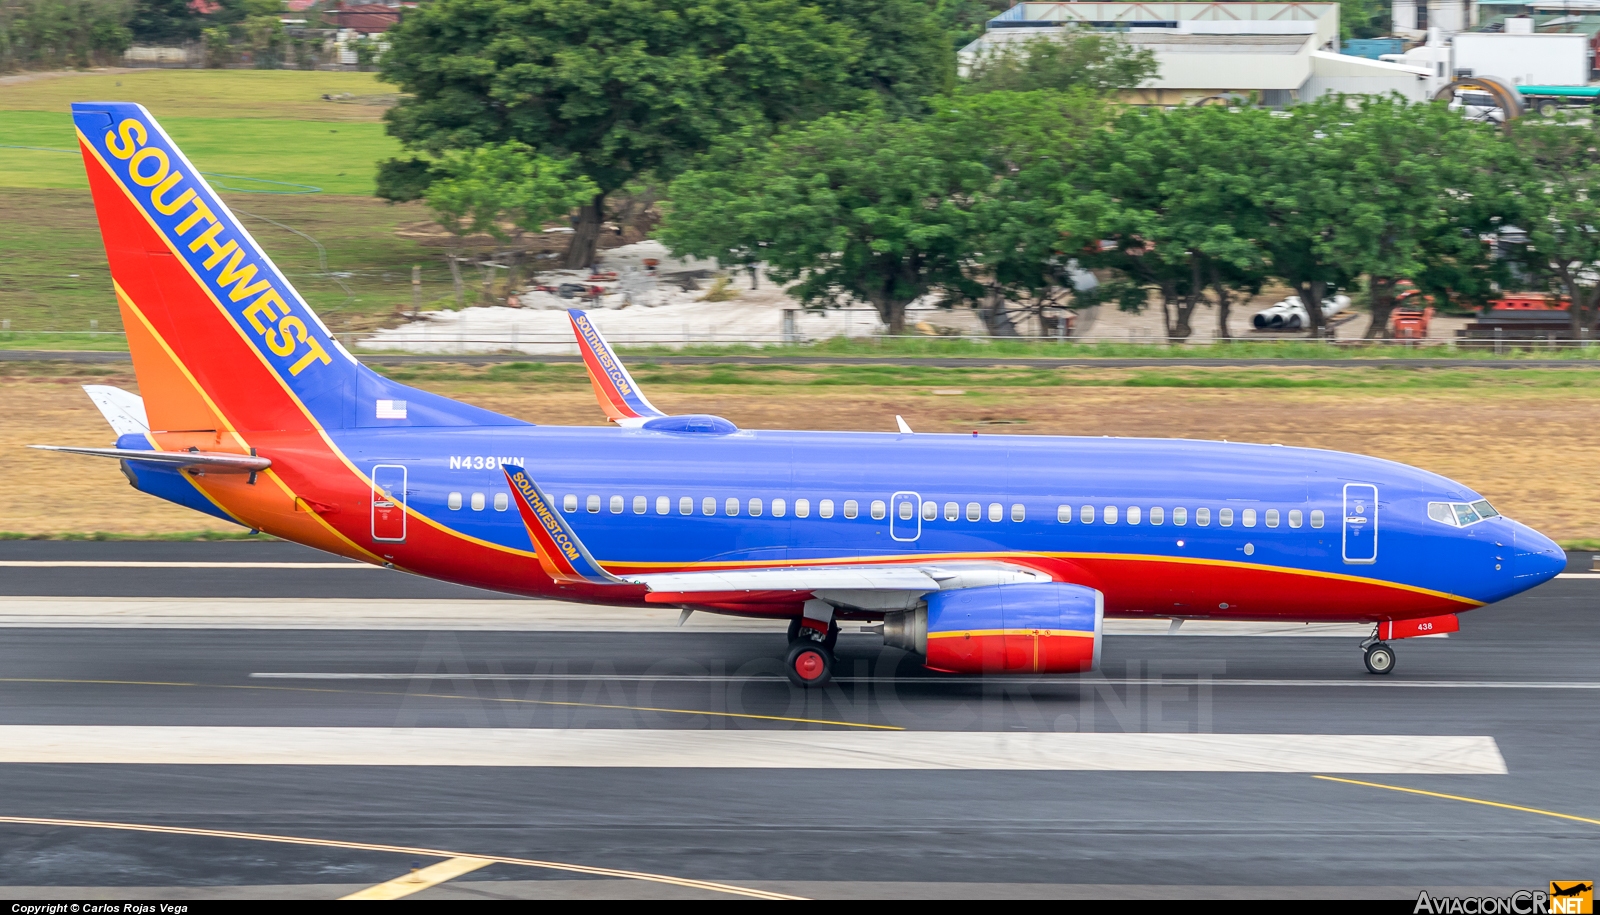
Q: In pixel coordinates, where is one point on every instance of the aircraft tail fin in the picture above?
(221, 341)
(619, 395)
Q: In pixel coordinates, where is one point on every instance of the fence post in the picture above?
(416, 289)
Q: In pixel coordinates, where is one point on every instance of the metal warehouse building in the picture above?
(1281, 53)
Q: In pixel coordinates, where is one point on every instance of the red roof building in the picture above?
(367, 18)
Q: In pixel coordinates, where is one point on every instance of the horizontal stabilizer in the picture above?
(213, 461)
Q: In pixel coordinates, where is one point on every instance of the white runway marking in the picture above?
(1065, 680)
(707, 749)
(501, 615)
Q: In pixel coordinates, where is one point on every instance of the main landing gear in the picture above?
(1378, 656)
(809, 662)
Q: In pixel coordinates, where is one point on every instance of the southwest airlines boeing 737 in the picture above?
(982, 554)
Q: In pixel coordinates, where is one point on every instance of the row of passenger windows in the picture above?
(1110, 514)
(953, 511)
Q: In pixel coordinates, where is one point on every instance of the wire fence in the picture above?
(514, 343)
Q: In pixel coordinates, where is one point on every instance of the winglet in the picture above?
(561, 553)
(620, 398)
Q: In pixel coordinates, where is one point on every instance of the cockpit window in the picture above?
(1460, 514)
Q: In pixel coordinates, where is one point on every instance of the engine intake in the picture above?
(1049, 627)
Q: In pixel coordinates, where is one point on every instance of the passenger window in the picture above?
(1249, 517)
(995, 511)
(1485, 510)
(1316, 518)
(1295, 518)
(930, 511)
(779, 508)
(1272, 517)
(616, 505)
(640, 505)
(1109, 514)
(1157, 515)
(592, 504)
(501, 501)
(730, 507)
(454, 501)
(878, 509)
(1018, 513)
(1225, 517)
(1180, 516)
(755, 508)
(685, 505)
(708, 505)
(802, 508)
(569, 503)
(1086, 514)
(477, 501)
(906, 511)
(1064, 514)
(1133, 514)
(952, 511)
(663, 505)
(851, 509)
(1202, 516)
(974, 511)
(825, 508)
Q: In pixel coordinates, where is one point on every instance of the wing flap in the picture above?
(849, 578)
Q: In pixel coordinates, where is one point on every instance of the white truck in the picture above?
(1539, 59)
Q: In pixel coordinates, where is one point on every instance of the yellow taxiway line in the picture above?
(421, 878)
(1465, 800)
(707, 885)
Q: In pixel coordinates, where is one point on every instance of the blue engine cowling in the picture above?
(1052, 627)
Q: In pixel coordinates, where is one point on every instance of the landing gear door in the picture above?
(1360, 523)
(389, 503)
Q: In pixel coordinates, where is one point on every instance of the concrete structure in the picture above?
(1279, 53)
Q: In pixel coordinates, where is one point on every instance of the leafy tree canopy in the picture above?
(164, 21)
(1067, 59)
(506, 184)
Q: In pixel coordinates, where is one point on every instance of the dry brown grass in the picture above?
(1527, 449)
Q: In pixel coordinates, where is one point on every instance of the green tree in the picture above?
(1168, 200)
(965, 20)
(642, 86)
(161, 22)
(1065, 59)
(1416, 191)
(505, 190)
(851, 207)
(43, 34)
(1027, 143)
(1556, 207)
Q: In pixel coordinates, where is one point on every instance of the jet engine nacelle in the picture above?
(1290, 314)
(1050, 627)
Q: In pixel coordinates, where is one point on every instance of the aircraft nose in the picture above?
(1538, 558)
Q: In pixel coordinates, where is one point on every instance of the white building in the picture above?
(1280, 53)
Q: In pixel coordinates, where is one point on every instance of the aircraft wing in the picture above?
(619, 396)
(864, 586)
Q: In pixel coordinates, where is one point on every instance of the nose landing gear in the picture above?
(1378, 656)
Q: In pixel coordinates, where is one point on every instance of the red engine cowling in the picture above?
(1017, 628)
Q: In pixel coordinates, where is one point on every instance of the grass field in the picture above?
(259, 126)
(1524, 438)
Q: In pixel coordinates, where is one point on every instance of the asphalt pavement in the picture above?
(1524, 675)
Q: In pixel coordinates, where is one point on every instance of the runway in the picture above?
(164, 731)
